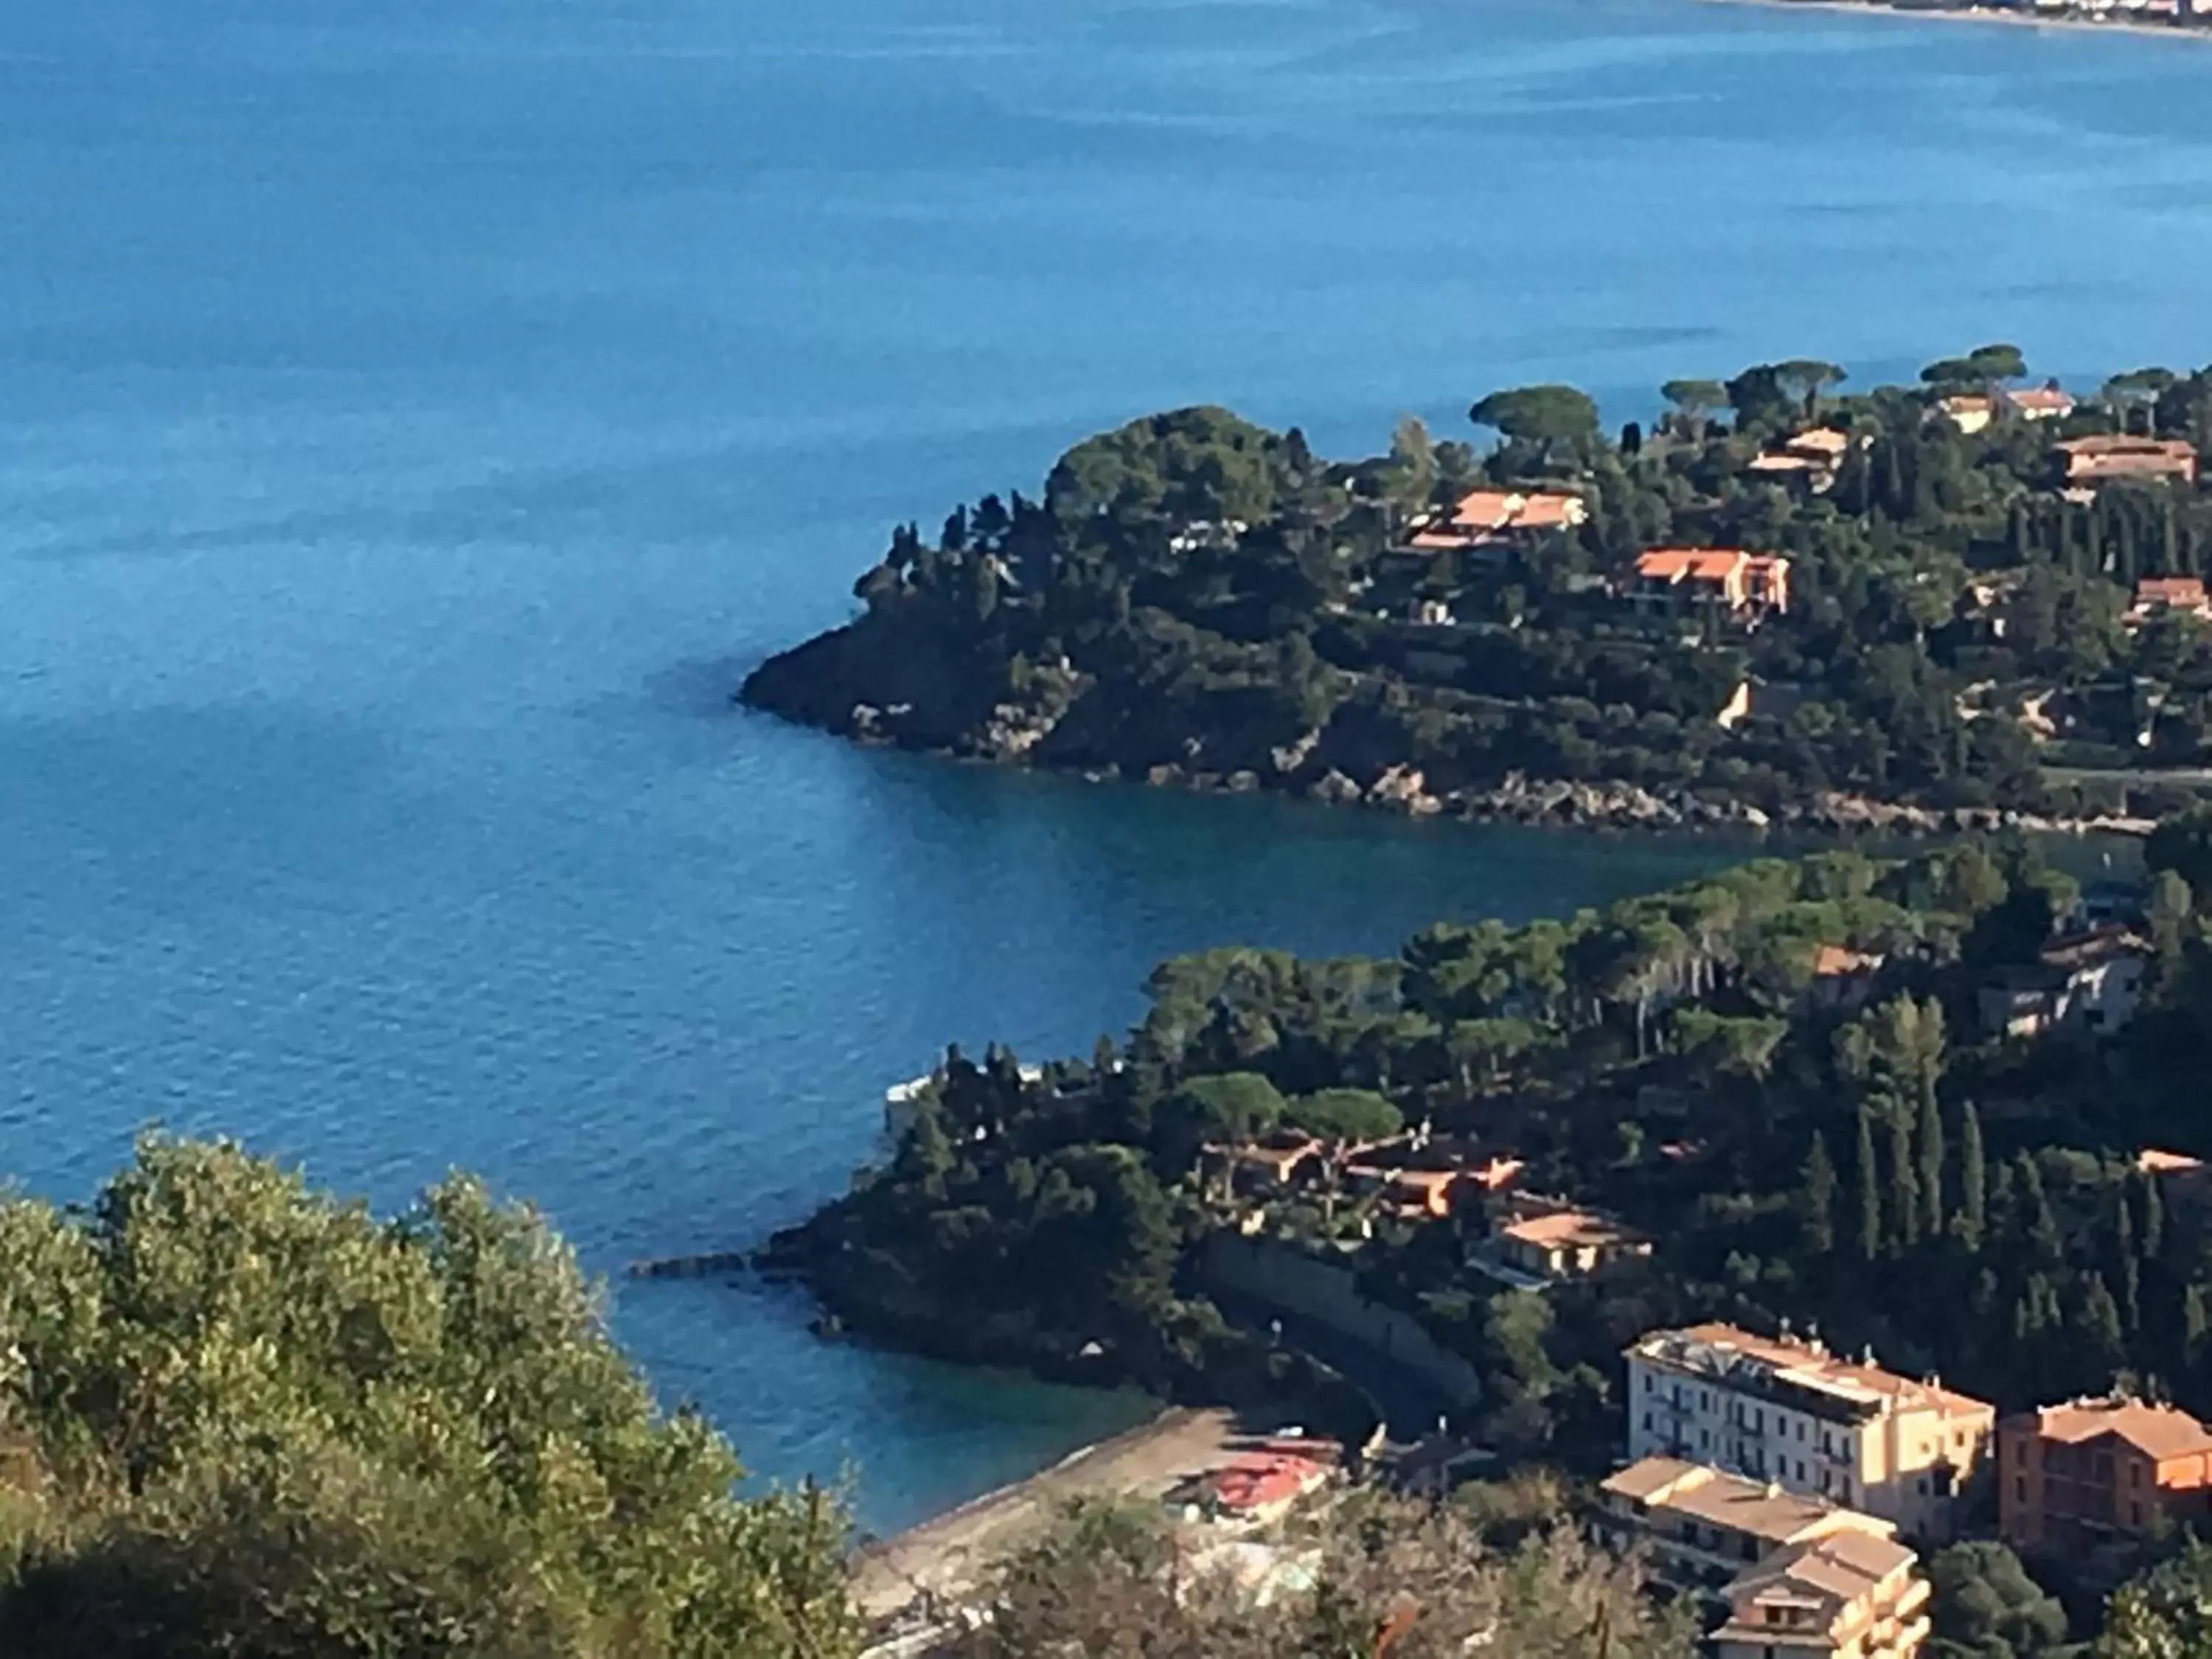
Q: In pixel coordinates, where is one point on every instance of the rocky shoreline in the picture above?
(1012, 736)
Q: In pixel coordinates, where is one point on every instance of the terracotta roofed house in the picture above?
(1843, 978)
(1699, 1521)
(1569, 1244)
(2158, 594)
(1849, 1594)
(1744, 582)
(1971, 412)
(1495, 518)
(1264, 1487)
(2096, 460)
(1787, 1410)
(2086, 1472)
(2072, 1476)
(2048, 402)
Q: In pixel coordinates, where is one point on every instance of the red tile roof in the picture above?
(2184, 592)
(1253, 1483)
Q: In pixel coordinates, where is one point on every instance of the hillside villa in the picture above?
(1784, 1409)
(2088, 981)
(1746, 584)
(1810, 458)
(2085, 1473)
(1843, 979)
(1970, 411)
(2047, 402)
(2089, 462)
(2157, 596)
(1498, 519)
(1565, 1242)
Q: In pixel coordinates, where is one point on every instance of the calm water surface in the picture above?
(414, 418)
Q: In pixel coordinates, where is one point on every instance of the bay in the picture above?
(414, 418)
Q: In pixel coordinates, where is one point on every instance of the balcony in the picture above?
(1903, 1641)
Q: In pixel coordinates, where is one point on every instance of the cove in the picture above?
(414, 423)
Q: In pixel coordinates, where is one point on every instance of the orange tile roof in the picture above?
(1673, 564)
(1823, 440)
(1834, 962)
(2187, 592)
(1699, 1492)
(2115, 456)
(1515, 509)
(1252, 1483)
(2040, 396)
(2159, 1431)
(1570, 1227)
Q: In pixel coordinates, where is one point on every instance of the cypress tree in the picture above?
(1819, 1198)
(2195, 1325)
(2153, 1231)
(1869, 1239)
(1931, 1164)
(1905, 1183)
(2099, 1326)
(1973, 1180)
(2042, 1238)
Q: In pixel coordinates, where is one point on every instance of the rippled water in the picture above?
(414, 418)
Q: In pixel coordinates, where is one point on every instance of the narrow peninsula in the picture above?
(1975, 602)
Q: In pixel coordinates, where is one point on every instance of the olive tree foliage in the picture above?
(1376, 1576)
(239, 1418)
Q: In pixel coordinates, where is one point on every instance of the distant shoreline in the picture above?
(2072, 22)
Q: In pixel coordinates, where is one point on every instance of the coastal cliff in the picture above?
(1908, 611)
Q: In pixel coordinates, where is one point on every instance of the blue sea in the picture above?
(416, 415)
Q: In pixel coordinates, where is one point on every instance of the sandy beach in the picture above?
(1987, 15)
(946, 1556)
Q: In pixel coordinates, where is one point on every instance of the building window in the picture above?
(1705, 1437)
(2135, 1475)
(1647, 1422)
(1800, 1430)
(1649, 1384)
(1800, 1468)
(2019, 1487)
(2135, 1514)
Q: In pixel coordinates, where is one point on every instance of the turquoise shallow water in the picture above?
(414, 419)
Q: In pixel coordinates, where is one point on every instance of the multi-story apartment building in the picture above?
(1847, 1596)
(1701, 1526)
(1786, 1410)
(2091, 1472)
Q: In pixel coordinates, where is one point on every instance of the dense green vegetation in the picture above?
(239, 1418)
(1194, 598)
(1961, 1204)
(1406, 1580)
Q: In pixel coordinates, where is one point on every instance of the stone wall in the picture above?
(1285, 1277)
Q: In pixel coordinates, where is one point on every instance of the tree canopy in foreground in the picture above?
(238, 1417)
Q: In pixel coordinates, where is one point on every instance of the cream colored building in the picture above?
(1849, 1594)
(1702, 1524)
(1786, 1411)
